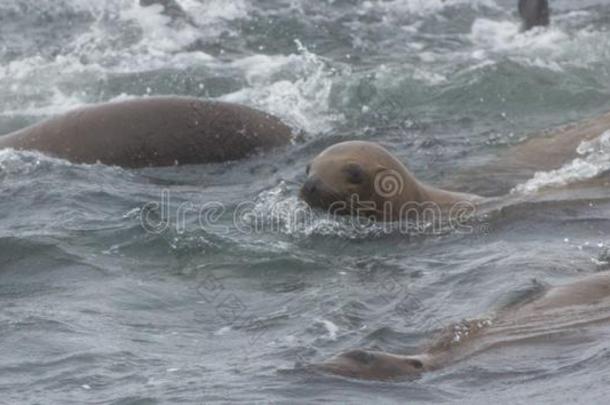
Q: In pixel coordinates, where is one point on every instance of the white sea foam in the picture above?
(553, 48)
(331, 328)
(505, 36)
(14, 162)
(594, 160)
(55, 103)
(213, 11)
(128, 38)
(424, 7)
(123, 38)
(296, 88)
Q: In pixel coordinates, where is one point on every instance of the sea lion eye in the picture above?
(355, 174)
(416, 363)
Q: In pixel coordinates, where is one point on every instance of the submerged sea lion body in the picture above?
(545, 151)
(363, 178)
(558, 311)
(552, 148)
(156, 131)
(534, 13)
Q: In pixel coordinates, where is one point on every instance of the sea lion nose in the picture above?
(311, 187)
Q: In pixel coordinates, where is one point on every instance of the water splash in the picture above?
(594, 160)
(425, 7)
(302, 99)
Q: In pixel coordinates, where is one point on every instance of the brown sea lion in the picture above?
(363, 178)
(544, 151)
(369, 172)
(559, 310)
(155, 131)
(551, 148)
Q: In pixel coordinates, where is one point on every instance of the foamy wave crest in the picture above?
(121, 38)
(552, 48)
(27, 164)
(424, 7)
(14, 162)
(296, 88)
(505, 36)
(135, 38)
(595, 160)
(215, 11)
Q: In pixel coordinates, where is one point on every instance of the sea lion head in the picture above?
(372, 365)
(359, 178)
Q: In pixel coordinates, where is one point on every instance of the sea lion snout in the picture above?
(372, 365)
(310, 188)
(314, 192)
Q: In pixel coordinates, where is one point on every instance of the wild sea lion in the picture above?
(156, 131)
(534, 13)
(379, 181)
(564, 309)
(363, 178)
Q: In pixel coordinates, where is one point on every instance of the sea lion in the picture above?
(553, 147)
(558, 310)
(534, 13)
(544, 151)
(378, 180)
(155, 131)
(363, 178)
(170, 8)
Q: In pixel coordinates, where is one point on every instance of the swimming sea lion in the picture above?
(363, 178)
(544, 151)
(534, 13)
(156, 131)
(559, 310)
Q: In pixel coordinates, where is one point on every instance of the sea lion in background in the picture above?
(170, 9)
(534, 13)
(545, 151)
(564, 309)
(552, 148)
(363, 178)
(156, 131)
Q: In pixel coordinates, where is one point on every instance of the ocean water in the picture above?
(224, 292)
